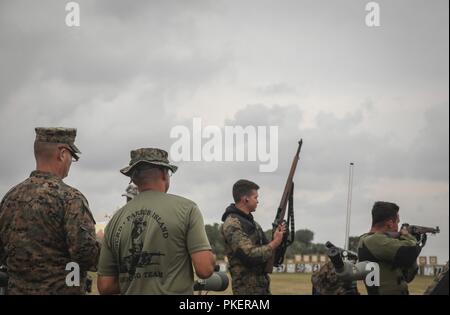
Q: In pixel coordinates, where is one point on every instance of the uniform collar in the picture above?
(232, 209)
(44, 175)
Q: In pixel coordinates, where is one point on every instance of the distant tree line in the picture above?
(302, 245)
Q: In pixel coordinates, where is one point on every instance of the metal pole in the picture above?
(349, 205)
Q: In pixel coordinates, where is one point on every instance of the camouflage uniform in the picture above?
(45, 224)
(439, 286)
(326, 282)
(247, 251)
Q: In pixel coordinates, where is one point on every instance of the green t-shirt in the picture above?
(148, 244)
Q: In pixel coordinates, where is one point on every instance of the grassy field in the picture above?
(300, 284)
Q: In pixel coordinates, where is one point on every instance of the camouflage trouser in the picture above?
(251, 284)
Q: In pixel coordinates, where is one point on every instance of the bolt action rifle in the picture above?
(287, 202)
(420, 232)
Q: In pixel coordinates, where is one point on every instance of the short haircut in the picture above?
(243, 188)
(145, 172)
(383, 211)
(44, 150)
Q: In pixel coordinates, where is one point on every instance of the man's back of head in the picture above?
(54, 150)
(385, 216)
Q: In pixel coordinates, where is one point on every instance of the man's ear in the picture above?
(165, 175)
(60, 154)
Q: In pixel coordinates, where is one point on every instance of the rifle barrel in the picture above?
(423, 229)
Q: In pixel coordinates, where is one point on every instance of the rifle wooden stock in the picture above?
(281, 212)
(288, 187)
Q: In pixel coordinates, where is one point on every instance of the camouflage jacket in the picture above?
(44, 225)
(247, 251)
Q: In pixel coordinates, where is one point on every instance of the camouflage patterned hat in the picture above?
(58, 135)
(148, 155)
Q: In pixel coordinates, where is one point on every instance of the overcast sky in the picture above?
(376, 96)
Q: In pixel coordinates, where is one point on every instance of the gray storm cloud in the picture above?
(133, 71)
